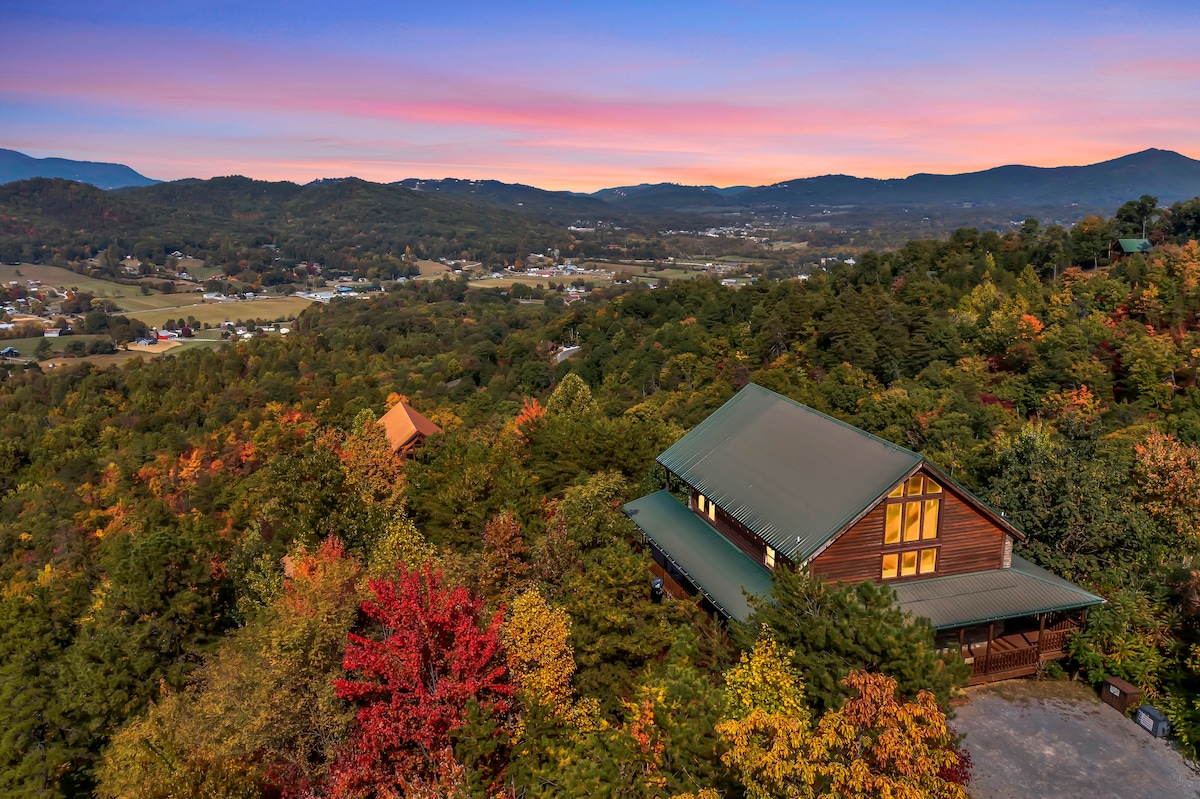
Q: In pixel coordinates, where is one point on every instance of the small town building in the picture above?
(766, 483)
(407, 429)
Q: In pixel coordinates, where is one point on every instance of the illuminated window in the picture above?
(712, 511)
(930, 523)
(770, 559)
(912, 513)
(891, 533)
(928, 561)
(700, 502)
(912, 521)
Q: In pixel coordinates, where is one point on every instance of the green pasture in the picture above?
(214, 313)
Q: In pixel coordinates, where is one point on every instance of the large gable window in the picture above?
(911, 514)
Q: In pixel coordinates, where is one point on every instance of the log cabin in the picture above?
(406, 429)
(767, 483)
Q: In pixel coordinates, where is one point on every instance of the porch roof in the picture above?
(959, 600)
(707, 558)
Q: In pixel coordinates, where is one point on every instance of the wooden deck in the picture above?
(1017, 654)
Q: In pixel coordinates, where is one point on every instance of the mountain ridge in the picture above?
(16, 165)
(1165, 174)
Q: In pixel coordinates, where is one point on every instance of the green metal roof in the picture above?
(716, 566)
(792, 475)
(1134, 245)
(982, 597)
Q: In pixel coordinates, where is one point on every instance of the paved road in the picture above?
(1057, 739)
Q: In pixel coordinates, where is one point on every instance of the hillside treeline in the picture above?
(350, 225)
(217, 581)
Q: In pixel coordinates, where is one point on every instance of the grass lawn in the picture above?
(215, 313)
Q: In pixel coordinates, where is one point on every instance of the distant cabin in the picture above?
(766, 483)
(1123, 248)
(407, 429)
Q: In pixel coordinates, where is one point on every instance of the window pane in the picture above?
(932, 487)
(898, 491)
(928, 560)
(909, 565)
(891, 531)
(929, 526)
(712, 511)
(914, 485)
(890, 563)
(770, 559)
(700, 502)
(912, 521)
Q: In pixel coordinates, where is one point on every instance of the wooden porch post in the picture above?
(988, 656)
(1041, 631)
(962, 634)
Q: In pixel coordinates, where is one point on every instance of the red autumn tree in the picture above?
(504, 557)
(412, 683)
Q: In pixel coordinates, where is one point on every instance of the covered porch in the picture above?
(1013, 648)
(1005, 622)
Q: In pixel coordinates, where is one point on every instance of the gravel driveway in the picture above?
(1057, 739)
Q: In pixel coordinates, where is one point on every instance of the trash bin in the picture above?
(1152, 721)
(1120, 694)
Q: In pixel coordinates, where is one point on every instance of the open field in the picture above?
(669, 274)
(134, 352)
(432, 268)
(26, 346)
(58, 277)
(505, 282)
(129, 298)
(150, 302)
(215, 313)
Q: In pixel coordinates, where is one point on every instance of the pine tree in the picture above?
(833, 630)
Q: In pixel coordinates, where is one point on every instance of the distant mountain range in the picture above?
(18, 166)
(1162, 173)
(1104, 186)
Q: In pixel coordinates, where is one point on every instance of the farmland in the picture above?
(268, 309)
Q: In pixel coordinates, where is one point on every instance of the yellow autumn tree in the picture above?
(768, 727)
(875, 746)
(541, 662)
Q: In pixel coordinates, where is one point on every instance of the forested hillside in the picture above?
(344, 223)
(217, 582)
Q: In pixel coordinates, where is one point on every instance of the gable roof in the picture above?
(1130, 246)
(403, 423)
(794, 476)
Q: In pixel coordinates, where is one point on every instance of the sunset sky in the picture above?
(568, 95)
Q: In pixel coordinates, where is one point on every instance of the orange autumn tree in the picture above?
(1167, 476)
(875, 746)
